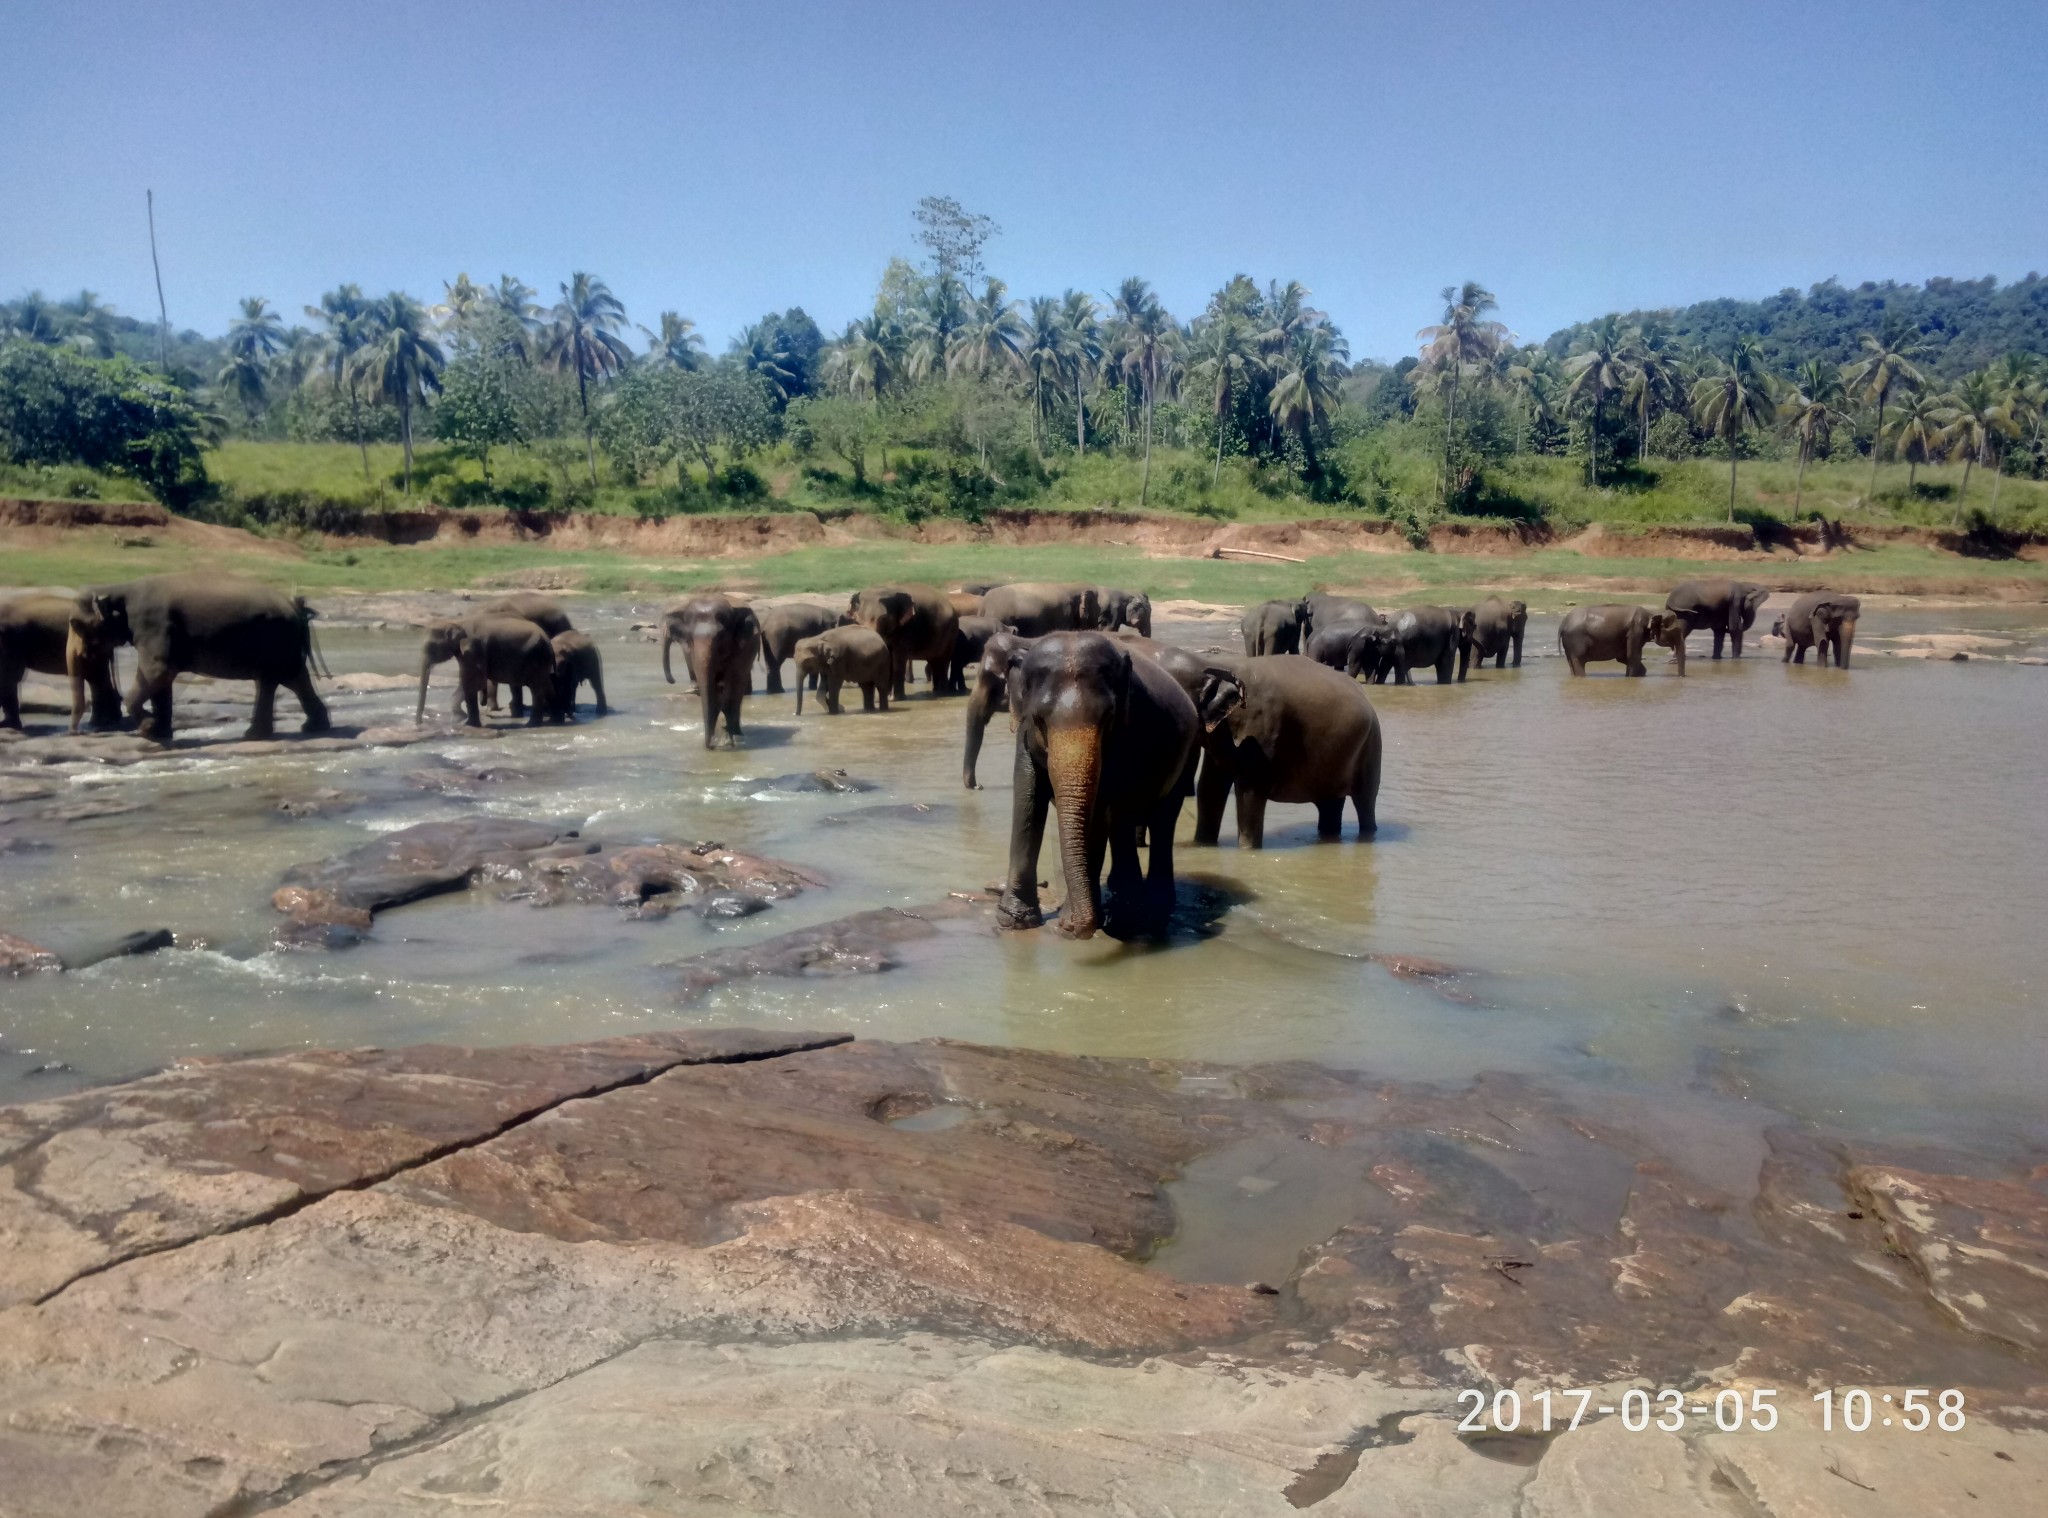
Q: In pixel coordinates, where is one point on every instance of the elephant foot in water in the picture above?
(1014, 911)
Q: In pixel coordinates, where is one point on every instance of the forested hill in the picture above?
(1966, 323)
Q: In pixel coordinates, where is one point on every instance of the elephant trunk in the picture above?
(1846, 641)
(980, 707)
(711, 675)
(799, 689)
(426, 669)
(668, 636)
(1073, 761)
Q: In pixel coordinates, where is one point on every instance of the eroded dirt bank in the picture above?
(786, 1271)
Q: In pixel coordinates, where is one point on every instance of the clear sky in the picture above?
(1577, 156)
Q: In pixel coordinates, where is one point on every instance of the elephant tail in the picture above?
(309, 643)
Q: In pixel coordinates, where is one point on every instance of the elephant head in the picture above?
(100, 617)
(813, 656)
(1836, 620)
(1070, 694)
(1747, 601)
(884, 612)
(1778, 627)
(1372, 650)
(444, 642)
(1668, 629)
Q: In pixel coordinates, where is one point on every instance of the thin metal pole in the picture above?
(163, 328)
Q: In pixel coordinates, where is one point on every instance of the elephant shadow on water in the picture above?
(1200, 903)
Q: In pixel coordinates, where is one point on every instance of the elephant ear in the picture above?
(1124, 680)
(1222, 694)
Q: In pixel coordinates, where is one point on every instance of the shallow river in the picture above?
(1752, 892)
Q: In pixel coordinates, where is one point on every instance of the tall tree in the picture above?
(462, 302)
(1467, 335)
(403, 363)
(2025, 397)
(253, 337)
(351, 325)
(1813, 407)
(677, 345)
(1047, 350)
(1225, 351)
(1532, 379)
(1599, 369)
(1305, 384)
(1146, 332)
(89, 324)
(1084, 329)
(584, 341)
(761, 352)
(863, 362)
(520, 318)
(1974, 423)
(1654, 383)
(954, 236)
(1886, 364)
(1916, 434)
(992, 338)
(1737, 397)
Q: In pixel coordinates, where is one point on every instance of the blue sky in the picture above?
(723, 160)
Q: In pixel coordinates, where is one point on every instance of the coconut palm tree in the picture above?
(1599, 369)
(677, 345)
(1813, 407)
(1532, 379)
(1465, 336)
(1223, 352)
(991, 337)
(758, 354)
(2025, 397)
(1653, 383)
(863, 361)
(1916, 434)
(252, 338)
(1145, 333)
(88, 324)
(1974, 422)
(1886, 365)
(1738, 396)
(1084, 338)
(1305, 384)
(403, 363)
(350, 323)
(513, 300)
(36, 318)
(1046, 354)
(463, 300)
(584, 341)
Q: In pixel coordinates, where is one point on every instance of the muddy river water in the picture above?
(1753, 893)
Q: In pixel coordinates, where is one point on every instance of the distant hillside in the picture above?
(1966, 322)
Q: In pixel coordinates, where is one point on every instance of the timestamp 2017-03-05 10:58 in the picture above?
(1850, 1409)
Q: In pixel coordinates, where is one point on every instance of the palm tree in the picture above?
(1532, 378)
(1224, 351)
(1973, 422)
(757, 353)
(37, 319)
(584, 340)
(1654, 382)
(1084, 335)
(863, 361)
(513, 300)
(1886, 365)
(252, 338)
(462, 302)
(350, 321)
(1305, 388)
(991, 337)
(403, 363)
(1146, 332)
(1598, 370)
(1814, 408)
(2025, 398)
(677, 345)
(88, 323)
(1916, 434)
(1464, 336)
(1047, 351)
(1738, 396)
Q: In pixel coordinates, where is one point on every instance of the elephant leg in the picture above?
(10, 699)
(1464, 662)
(1159, 877)
(735, 692)
(1123, 910)
(774, 673)
(597, 690)
(263, 722)
(1330, 818)
(106, 700)
(881, 695)
(1365, 794)
(1251, 817)
(1443, 667)
(1574, 662)
(1212, 787)
(157, 697)
(1720, 636)
(472, 690)
(536, 704)
(1030, 799)
(518, 706)
(831, 694)
(315, 710)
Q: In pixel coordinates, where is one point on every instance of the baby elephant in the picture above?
(577, 663)
(839, 655)
(1590, 634)
(1821, 619)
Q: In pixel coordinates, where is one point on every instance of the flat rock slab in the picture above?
(111, 1173)
(861, 943)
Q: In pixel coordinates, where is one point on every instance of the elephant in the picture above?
(837, 655)
(206, 624)
(1104, 737)
(990, 693)
(917, 622)
(542, 611)
(721, 640)
(783, 627)
(966, 603)
(1611, 631)
(1325, 610)
(1822, 619)
(1422, 636)
(489, 651)
(1274, 627)
(1489, 630)
(577, 663)
(1120, 609)
(1284, 728)
(970, 638)
(1037, 608)
(1727, 608)
(1357, 648)
(37, 633)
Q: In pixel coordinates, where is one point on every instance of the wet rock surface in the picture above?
(746, 1271)
(539, 863)
(862, 943)
(20, 957)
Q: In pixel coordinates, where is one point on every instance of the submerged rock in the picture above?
(859, 944)
(833, 782)
(20, 957)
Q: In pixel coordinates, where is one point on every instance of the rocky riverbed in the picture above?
(726, 1270)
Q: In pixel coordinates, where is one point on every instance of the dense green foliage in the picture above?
(951, 397)
(59, 407)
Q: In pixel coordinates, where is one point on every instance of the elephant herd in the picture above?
(1114, 730)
